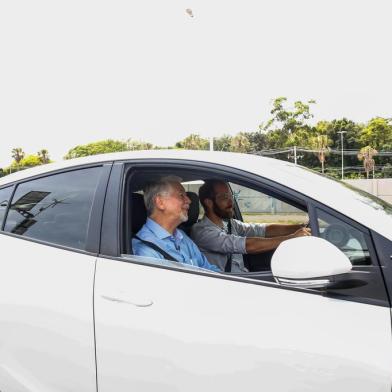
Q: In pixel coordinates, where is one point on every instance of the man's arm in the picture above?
(213, 239)
(278, 230)
(259, 245)
(201, 260)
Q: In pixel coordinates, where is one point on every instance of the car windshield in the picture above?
(363, 196)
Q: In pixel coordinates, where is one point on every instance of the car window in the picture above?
(351, 241)
(54, 209)
(5, 195)
(257, 207)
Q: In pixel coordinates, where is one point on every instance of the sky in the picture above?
(78, 71)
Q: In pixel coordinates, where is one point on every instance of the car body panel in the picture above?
(165, 330)
(46, 318)
(157, 327)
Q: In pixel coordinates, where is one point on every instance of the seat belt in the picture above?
(165, 255)
(230, 255)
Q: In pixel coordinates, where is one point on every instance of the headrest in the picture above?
(194, 209)
(138, 212)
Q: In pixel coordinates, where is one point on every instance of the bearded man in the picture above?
(223, 240)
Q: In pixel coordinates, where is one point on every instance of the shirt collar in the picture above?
(162, 233)
(208, 221)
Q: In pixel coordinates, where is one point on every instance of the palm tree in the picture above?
(240, 143)
(366, 154)
(43, 156)
(18, 154)
(320, 144)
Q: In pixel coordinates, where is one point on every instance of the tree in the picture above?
(366, 154)
(320, 144)
(257, 140)
(289, 120)
(193, 142)
(377, 133)
(351, 138)
(240, 143)
(133, 145)
(30, 161)
(2, 172)
(222, 143)
(387, 171)
(288, 126)
(17, 154)
(101, 147)
(43, 156)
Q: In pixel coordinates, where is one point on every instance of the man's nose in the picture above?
(187, 199)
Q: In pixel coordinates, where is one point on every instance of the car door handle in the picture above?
(140, 304)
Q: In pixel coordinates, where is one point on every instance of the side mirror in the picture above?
(309, 262)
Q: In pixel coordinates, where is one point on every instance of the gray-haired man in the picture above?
(167, 207)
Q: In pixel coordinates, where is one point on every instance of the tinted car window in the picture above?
(56, 208)
(5, 195)
(347, 238)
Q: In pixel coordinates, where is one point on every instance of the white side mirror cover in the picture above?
(308, 257)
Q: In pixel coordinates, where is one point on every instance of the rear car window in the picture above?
(56, 208)
(5, 195)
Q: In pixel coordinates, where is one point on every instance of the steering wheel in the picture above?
(337, 235)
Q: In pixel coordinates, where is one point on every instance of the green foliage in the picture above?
(387, 171)
(101, 147)
(288, 126)
(17, 154)
(377, 133)
(257, 140)
(222, 143)
(193, 142)
(133, 145)
(320, 144)
(30, 161)
(240, 143)
(43, 156)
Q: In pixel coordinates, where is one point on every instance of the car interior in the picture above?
(135, 213)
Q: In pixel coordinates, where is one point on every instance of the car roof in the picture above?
(355, 204)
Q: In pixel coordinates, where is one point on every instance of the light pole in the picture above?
(341, 142)
(211, 143)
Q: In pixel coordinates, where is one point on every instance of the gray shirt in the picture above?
(216, 244)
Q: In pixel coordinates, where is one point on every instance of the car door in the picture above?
(162, 327)
(46, 284)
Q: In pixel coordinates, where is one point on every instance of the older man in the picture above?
(224, 240)
(167, 207)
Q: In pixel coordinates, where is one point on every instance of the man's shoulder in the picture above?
(238, 223)
(201, 226)
(143, 233)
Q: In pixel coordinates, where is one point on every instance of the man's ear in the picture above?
(209, 203)
(159, 203)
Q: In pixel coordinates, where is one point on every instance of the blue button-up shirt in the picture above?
(178, 245)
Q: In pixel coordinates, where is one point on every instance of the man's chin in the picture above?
(184, 218)
(229, 214)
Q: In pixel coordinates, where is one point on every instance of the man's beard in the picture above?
(224, 214)
(183, 217)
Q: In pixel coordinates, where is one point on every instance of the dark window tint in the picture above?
(347, 238)
(55, 209)
(5, 195)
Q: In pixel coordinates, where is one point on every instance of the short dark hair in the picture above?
(207, 190)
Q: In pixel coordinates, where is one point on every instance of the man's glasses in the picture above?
(224, 196)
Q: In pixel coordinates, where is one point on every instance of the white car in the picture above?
(80, 312)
